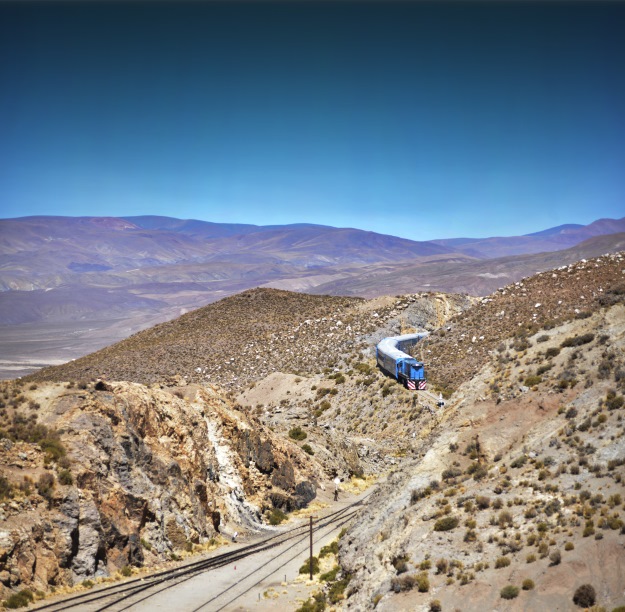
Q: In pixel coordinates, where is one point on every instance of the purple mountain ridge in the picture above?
(69, 285)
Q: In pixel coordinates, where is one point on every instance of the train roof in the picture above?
(390, 346)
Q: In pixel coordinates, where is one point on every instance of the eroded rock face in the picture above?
(153, 471)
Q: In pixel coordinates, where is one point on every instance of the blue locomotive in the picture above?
(392, 359)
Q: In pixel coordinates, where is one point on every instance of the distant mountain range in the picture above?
(69, 285)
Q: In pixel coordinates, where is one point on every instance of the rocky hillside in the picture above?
(457, 351)
(145, 472)
(245, 337)
(517, 497)
(352, 400)
(94, 478)
(518, 478)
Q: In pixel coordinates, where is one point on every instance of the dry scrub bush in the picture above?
(446, 523)
(502, 562)
(585, 596)
(528, 584)
(509, 592)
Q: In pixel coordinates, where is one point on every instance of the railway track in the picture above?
(126, 595)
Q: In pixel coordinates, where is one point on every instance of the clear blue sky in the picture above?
(423, 120)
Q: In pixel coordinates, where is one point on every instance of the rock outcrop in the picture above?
(153, 471)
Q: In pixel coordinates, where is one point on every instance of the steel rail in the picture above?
(343, 522)
(169, 573)
(192, 574)
(183, 573)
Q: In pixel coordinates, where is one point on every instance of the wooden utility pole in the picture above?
(310, 561)
(310, 557)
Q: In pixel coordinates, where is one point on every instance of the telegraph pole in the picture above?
(310, 559)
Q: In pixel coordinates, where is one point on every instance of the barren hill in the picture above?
(519, 310)
(562, 237)
(515, 501)
(249, 335)
(461, 274)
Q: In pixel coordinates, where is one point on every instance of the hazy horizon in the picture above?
(286, 225)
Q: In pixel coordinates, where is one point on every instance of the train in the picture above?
(391, 358)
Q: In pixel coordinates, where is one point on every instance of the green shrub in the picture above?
(446, 523)
(66, 478)
(337, 590)
(48, 439)
(126, 571)
(276, 516)
(470, 535)
(552, 352)
(19, 600)
(331, 575)
(330, 549)
(478, 470)
(5, 487)
(528, 584)
(532, 381)
(519, 462)
(307, 449)
(297, 433)
(435, 606)
(305, 569)
(88, 584)
(509, 592)
(363, 368)
(450, 473)
(577, 340)
(316, 604)
(423, 583)
(325, 405)
(417, 494)
(543, 369)
(53, 448)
